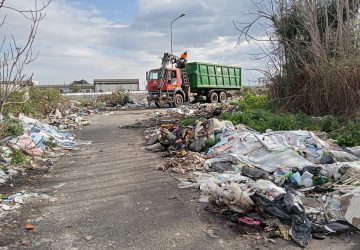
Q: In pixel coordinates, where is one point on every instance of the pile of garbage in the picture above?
(36, 147)
(75, 117)
(116, 99)
(291, 182)
(166, 127)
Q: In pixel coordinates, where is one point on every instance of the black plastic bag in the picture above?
(301, 231)
(288, 209)
(271, 207)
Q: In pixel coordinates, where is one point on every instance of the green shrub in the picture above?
(349, 134)
(188, 121)
(10, 127)
(283, 122)
(40, 102)
(329, 123)
(18, 158)
(251, 101)
(210, 142)
(307, 122)
(257, 113)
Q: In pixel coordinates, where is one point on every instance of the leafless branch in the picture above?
(313, 52)
(15, 56)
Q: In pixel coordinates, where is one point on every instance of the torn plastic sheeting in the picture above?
(249, 150)
(220, 178)
(270, 150)
(354, 150)
(38, 140)
(35, 126)
(343, 156)
(42, 131)
(26, 144)
(21, 198)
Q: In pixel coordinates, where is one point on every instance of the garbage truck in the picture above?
(178, 82)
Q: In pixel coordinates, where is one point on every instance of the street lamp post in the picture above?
(183, 14)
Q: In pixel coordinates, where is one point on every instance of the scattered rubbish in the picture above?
(29, 227)
(15, 201)
(307, 185)
(88, 237)
(249, 221)
(212, 232)
(38, 145)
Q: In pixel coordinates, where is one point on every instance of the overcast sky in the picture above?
(89, 39)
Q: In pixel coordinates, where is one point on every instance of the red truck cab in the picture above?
(172, 90)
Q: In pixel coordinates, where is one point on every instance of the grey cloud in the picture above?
(78, 42)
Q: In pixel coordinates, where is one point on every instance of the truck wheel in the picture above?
(214, 98)
(222, 97)
(178, 100)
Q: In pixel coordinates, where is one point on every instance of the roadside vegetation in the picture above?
(10, 126)
(39, 104)
(259, 113)
(313, 54)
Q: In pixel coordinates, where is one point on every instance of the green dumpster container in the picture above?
(213, 76)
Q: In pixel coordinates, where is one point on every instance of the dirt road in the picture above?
(109, 196)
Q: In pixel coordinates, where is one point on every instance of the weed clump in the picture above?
(18, 158)
(10, 126)
(258, 113)
(188, 121)
(40, 103)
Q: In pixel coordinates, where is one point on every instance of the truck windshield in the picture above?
(154, 75)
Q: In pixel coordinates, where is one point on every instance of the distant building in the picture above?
(111, 85)
(64, 89)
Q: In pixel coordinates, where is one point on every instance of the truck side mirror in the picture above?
(147, 75)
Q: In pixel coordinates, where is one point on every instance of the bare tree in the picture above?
(313, 51)
(14, 55)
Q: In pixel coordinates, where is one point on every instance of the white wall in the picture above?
(114, 87)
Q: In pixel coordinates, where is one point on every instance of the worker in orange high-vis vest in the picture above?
(184, 56)
(182, 60)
